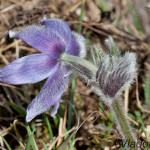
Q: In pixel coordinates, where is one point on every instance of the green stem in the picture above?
(78, 60)
(116, 107)
(123, 123)
(71, 103)
(49, 128)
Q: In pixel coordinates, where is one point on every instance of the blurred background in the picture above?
(128, 22)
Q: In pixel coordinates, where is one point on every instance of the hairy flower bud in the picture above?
(115, 74)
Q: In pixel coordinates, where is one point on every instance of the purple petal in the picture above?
(42, 39)
(54, 111)
(77, 45)
(103, 71)
(122, 75)
(28, 69)
(60, 27)
(50, 94)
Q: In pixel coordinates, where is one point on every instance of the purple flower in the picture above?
(115, 75)
(52, 39)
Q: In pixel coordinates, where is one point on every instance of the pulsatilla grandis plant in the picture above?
(62, 53)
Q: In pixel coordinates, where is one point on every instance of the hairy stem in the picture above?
(78, 60)
(116, 107)
(123, 123)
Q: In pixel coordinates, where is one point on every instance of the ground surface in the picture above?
(128, 22)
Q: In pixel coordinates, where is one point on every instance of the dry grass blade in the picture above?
(126, 98)
(138, 100)
(61, 136)
(76, 129)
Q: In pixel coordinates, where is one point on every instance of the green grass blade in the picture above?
(31, 138)
(17, 108)
(46, 148)
(102, 5)
(28, 128)
(140, 120)
(49, 129)
(71, 103)
(71, 145)
(147, 90)
(98, 54)
(87, 37)
(30, 142)
(135, 18)
(93, 57)
(81, 16)
(71, 142)
(6, 143)
(56, 119)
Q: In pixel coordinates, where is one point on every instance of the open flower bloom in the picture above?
(52, 39)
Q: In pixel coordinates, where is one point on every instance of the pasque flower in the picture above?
(52, 40)
(116, 72)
